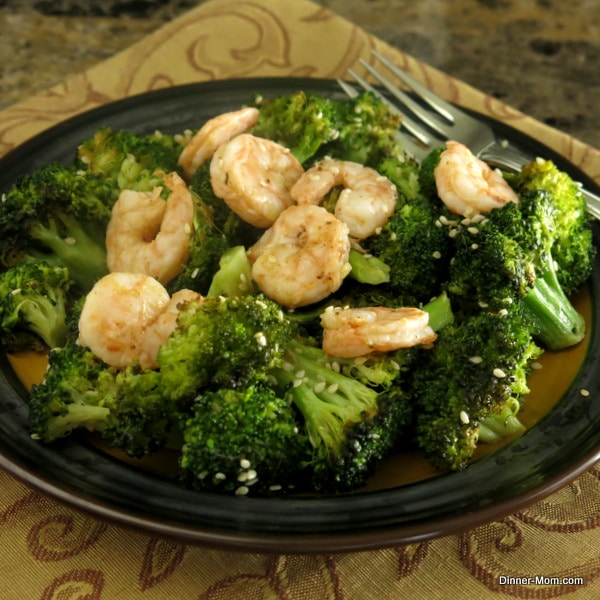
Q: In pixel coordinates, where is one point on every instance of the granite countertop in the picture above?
(540, 56)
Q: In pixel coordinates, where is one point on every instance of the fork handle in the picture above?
(507, 156)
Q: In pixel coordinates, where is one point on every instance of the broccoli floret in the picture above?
(426, 173)
(350, 424)
(368, 132)
(472, 383)
(413, 243)
(243, 441)
(362, 129)
(127, 159)
(508, 257)
(573, 250)
(58, 214)
(222, 342)
(80, 392)
(33, 305)
(302, 122)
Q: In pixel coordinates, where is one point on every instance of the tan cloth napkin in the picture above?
(51, 551)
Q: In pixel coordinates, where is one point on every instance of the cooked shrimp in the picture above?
(467, 185)
(254, 177)
(302, 257)
(213, 134)
(353, 332)
(126, 317)
(147, 234)
(366, 203)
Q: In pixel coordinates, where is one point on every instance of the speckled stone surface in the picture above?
(540, 56)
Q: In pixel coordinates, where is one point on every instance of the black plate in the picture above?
(558, 448)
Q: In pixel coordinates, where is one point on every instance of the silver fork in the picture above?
(428, 122)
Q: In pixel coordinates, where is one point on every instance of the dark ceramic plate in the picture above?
(558, 447)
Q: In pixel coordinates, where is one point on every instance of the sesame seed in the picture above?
(70, 241)
(245, 463)
(437, 254)
(452, 233)
(473, 230)
(464, 417)
(300, 374)
(242, 490)
(297, 383)
(503, 312)
(319, 387)
(584, 392)
(474, 246)
(395, 365)
(333, 388)
(499, 373)
(252, 476)
(393, 236)
(536, 365)
(220, 476)
(476, 360)
(187, 228)
(16, 292)
(195, 273)
(274, 488)
(466, 222)
(260, 338)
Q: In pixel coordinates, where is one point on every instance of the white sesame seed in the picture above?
(260, 338)
(220, 476)
(476, 360)
(245, 463)
(252, 475)
(242, 491)
(319, 387)
(274, 488)
(195, 273)
(297, 383)
(437, 254)
(584, 392)
(499, 373)
(474, 246)
(300, 374)
(333, 388)
(536, 365)
(464, 417)
(473, 230)
(70, 241)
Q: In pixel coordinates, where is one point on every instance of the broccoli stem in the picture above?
(556, 321)
(84, 257)
(440, 312)
(368, 268)
(46, 320)
(496, 427)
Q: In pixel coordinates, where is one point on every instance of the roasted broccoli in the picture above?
(471, 384)
(413, 244)
(222, 342)
(350, 425)
(127, 159)
(302, 122)
(362, 130)
(507, 257)
(569, 223)
(34, 298)
(80, 392)
(242, 440)
(58, 214)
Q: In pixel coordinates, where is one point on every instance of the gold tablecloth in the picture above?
(49, 550)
